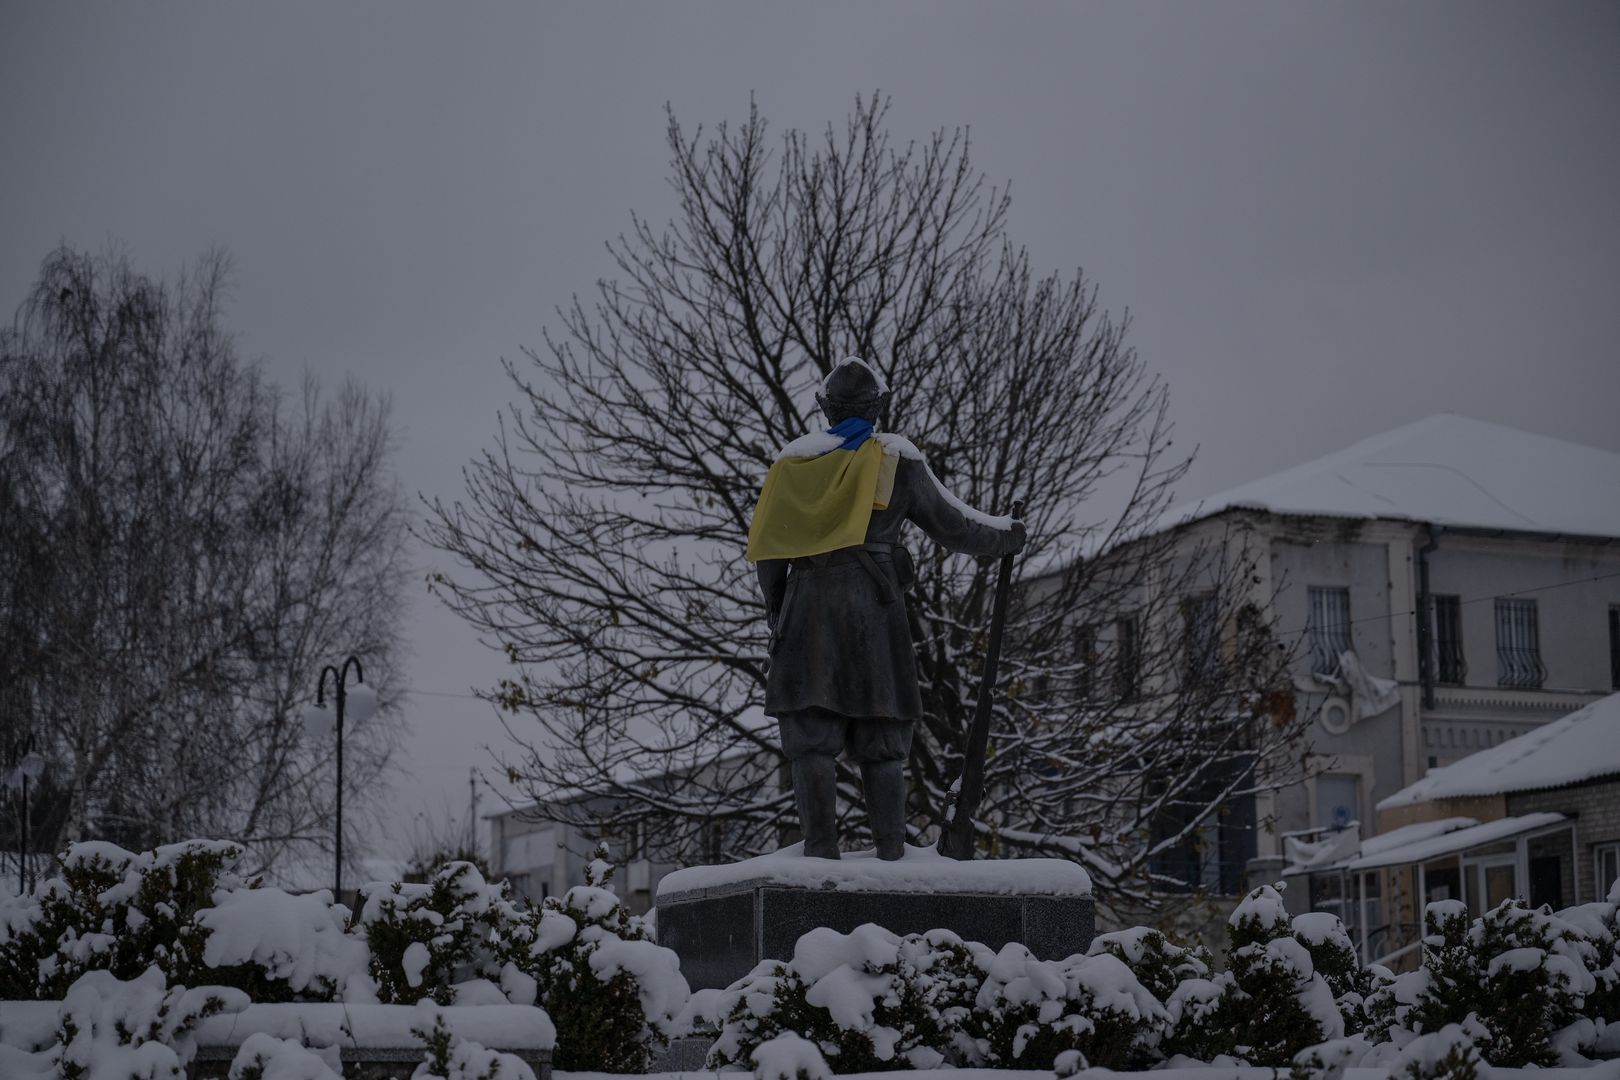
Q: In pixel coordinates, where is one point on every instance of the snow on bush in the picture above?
(279, 946)
(872, 1001)
(112, 910)
(1523, 976)
(1333, 955)
(421, 935)
(136, 1029)
(265, 1057)
(1158, 965)
(613, 993)
(450, 1057)
(1329, 1060)
(1447, 1054)
(868, 1000)
(1268, 1005)
(789, 1057)
(1029, 1011)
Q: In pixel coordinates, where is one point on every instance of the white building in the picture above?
(1473, 572)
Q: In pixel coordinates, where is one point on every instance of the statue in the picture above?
(826, 540)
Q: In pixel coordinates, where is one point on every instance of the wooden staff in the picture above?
(956, 838)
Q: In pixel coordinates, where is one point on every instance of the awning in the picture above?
(1439, 846)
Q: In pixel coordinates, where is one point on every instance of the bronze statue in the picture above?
(843, 672)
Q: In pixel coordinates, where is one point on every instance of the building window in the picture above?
(1607, 857)
(1338, 800)
(1449, 667)
(1200, 639)
(1518, 645)
(1127, 659)
(1085, 662)
(1614, 646)
(1329, 627)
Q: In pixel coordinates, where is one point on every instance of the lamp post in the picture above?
(23, 765)
(340, 678)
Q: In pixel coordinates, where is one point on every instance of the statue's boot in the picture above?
(884, 785)
(815, 789)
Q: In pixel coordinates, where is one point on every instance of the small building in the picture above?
(541, 849)
(1537, 816)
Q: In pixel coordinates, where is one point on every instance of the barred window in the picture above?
(1449, 666)
(1200, 637)
(1329, 627)
(1127, 659)
(1518, 645)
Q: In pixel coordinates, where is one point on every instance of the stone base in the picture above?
(723, 929)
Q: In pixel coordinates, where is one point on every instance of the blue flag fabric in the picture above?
(853, 430)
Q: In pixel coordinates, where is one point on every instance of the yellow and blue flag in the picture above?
(813, 505)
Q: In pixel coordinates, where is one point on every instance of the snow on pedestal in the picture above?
(723, 920)
(922, 870)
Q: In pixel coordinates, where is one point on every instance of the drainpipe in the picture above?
(1425, 618)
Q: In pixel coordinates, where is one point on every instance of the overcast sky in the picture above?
(1326, 220)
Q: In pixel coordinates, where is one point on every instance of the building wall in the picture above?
(1356, 556)
(1596, 808)
(1573, 620)
(1378, 562)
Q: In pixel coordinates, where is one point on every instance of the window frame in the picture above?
(1200, 638)
(1599, 852)
(1325, 635)
(1614, 646)
(1085, 659)
(1450, 656)
(1518, 650)
(1128, 659)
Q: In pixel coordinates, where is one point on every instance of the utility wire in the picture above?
(1470, 600)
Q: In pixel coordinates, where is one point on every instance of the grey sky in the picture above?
(1326, 220)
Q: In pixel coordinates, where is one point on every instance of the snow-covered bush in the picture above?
(789, 1057)
(1268, 1005)
(612, 992)
(868, 1000)
(422, 934)
(1447, 1054)
(183, 908)
(1599, 925)
(111, 910)
(1333, 955)
(281, 946)
(1520, 976)
(1329, 1060)
(265, 1057)
(449, 1057)
(136, 1029)
(1027, 1011)
(1158, 964)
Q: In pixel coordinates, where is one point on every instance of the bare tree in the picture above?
(603, 535)
(182, 550)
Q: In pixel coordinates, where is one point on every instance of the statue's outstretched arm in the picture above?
(952, 523)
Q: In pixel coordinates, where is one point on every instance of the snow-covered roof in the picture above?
(1584, 745)
(1445, 470)
(1453, 842)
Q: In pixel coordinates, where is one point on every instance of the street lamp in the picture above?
(340, 678)
(23, 765)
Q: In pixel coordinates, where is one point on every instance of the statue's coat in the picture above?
(840, 641)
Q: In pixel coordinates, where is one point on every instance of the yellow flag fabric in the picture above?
(813, 505)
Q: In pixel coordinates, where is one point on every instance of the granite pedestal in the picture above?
(722, 921)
